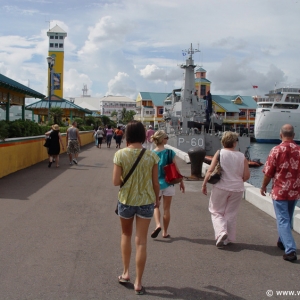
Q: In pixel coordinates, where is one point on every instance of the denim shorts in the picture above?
(128, 211)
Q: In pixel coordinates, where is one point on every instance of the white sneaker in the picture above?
(221, 239)
(226, 242)
(75, 161)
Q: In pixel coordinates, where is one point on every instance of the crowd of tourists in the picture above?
(140, 171)
(145, 186)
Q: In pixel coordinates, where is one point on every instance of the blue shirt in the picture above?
(166, 157)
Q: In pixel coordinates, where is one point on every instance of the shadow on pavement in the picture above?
(187, 293)
(22, 184)
(234, 247)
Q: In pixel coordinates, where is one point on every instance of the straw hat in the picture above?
(55, 127)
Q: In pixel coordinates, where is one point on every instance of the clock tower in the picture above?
(56, 51)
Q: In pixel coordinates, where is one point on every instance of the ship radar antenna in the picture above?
(191, 51)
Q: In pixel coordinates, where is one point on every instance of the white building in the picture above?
(104, 105)
(109, 104)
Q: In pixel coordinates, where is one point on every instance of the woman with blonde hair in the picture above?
(167, 191)
(227, 193)
(55, 142)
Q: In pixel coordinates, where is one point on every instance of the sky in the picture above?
(129, 46)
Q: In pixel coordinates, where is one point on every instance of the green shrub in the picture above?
(3, 130)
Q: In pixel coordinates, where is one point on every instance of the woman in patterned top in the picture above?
(137, 197)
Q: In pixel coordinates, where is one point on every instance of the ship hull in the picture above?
(210, 143)
(268, 125)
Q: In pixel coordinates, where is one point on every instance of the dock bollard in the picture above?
(196, 155)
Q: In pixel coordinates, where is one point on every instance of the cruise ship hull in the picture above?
(269, 122)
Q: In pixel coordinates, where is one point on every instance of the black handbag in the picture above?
(217, 172)
(130, 172)
(47, 142)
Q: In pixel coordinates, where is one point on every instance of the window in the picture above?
(203, 90)
(242, 114)
(265, 105)
(56, 37)
(286, 106)
(51, 37)
(61, 37)
(252, 114)
(61, 45)
(51, 45)
(160, 111)
(56, 45)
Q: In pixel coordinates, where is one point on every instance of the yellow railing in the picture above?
(19, 153)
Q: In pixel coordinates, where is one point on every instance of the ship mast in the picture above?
(189, 97)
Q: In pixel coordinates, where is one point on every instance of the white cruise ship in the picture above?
(281, 106)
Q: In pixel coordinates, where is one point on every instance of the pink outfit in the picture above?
(226, 195)
(149, 133)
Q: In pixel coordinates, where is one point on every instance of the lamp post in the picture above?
(50, 61)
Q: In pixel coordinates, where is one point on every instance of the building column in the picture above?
(7, 107)
(23, 111)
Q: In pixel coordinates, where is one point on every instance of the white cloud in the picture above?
(141, 42)
(121, 85)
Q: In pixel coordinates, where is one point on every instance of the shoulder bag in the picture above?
(130, 172)
(172, 176)
(216, 174)
(47, 142)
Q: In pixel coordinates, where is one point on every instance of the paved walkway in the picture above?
(60, 240)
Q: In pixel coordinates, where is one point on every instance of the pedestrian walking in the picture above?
(227, 193)
(54, 146)
(283, 166)
(137, 198)
(100, 135)
(109, 135)
(119, 136)
(73, 142)
(166, 190)
(95, 137)
(149, 143)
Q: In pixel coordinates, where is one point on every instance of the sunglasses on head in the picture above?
(166, 138)
(237, 140)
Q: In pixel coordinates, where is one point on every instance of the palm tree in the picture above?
(114, 113)
(56, 114)
(123, 115)
(129, 116)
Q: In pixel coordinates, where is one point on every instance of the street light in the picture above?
(50, 61)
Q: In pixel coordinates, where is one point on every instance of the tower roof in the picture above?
(56, 29)
(200, 70)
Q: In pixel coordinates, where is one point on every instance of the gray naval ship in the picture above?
(185, 118)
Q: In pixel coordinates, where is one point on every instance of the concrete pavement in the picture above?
(60, 239)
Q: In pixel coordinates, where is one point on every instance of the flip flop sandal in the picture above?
(123, 280)
(140, 292)
(167, 236)
(155, 232)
